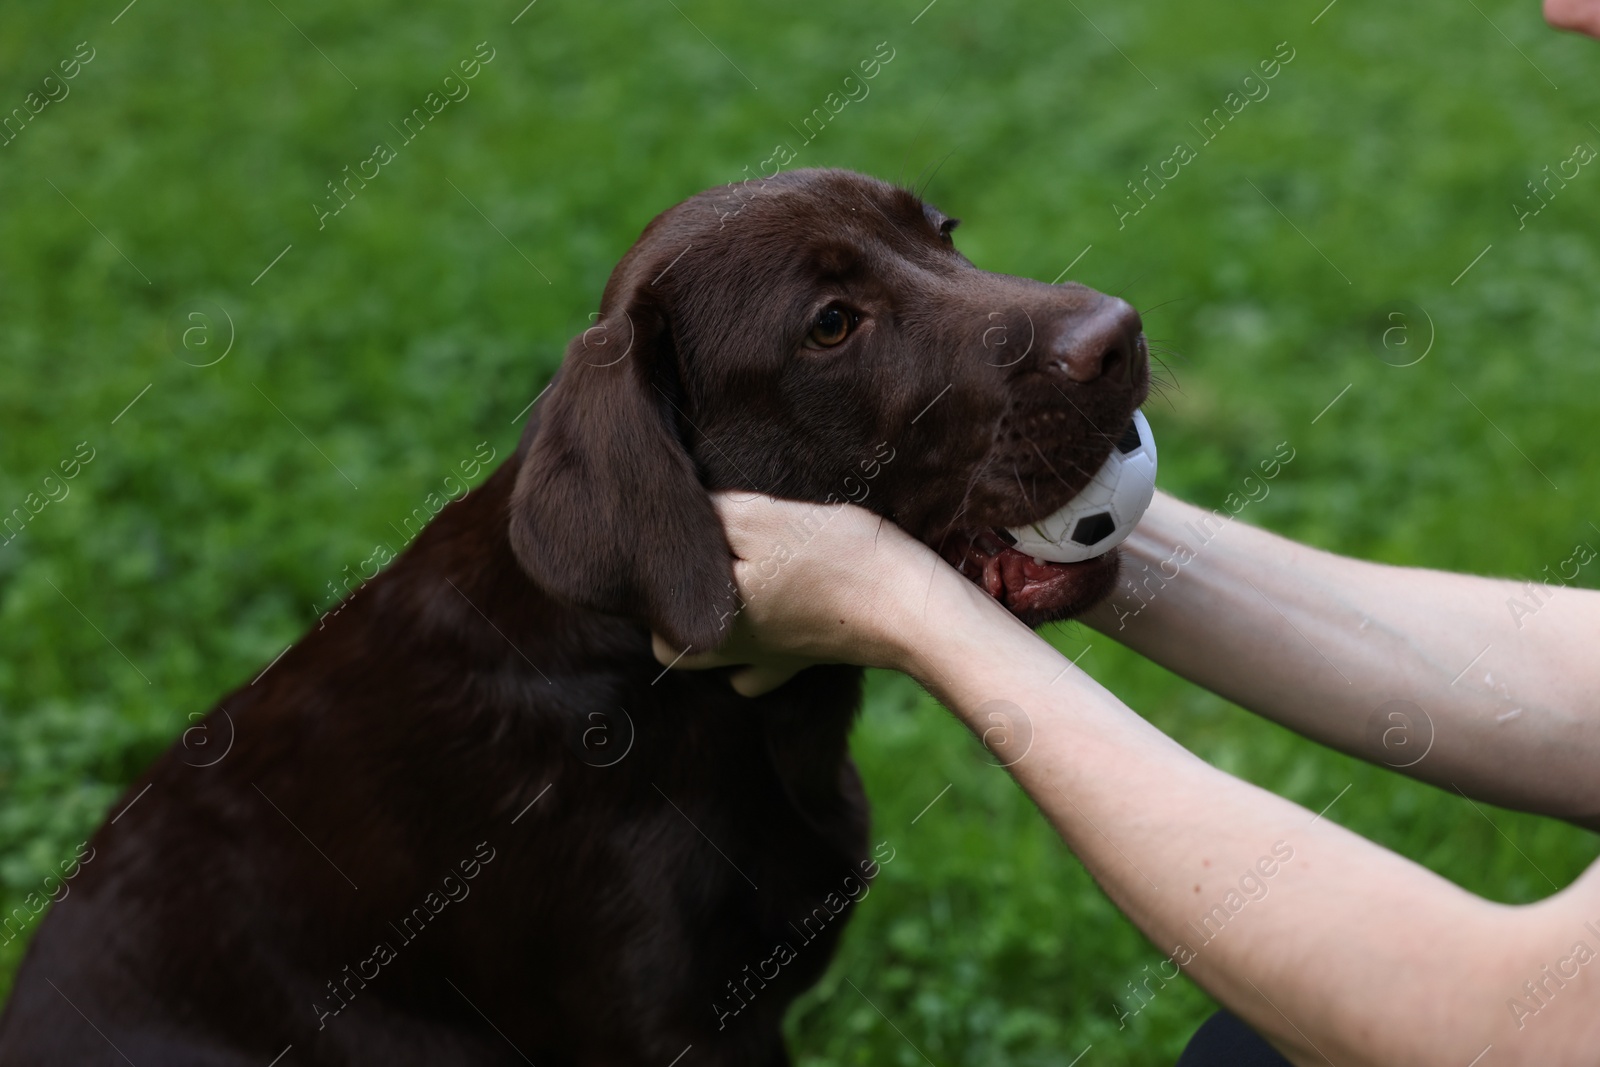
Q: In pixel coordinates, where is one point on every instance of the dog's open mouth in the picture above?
(1035, 590)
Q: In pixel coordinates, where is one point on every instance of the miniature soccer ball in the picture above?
(1100, 517)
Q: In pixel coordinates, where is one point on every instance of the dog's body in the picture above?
(470, 819)
(601, 924)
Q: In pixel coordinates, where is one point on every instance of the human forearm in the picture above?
(1326, 943)
(1434, 674)
(1374, 959)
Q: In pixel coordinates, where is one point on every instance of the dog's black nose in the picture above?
(1098, 343)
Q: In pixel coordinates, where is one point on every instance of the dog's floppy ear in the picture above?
(608, 512)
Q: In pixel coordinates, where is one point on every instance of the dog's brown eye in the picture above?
(833, 326)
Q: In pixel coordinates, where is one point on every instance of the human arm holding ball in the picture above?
(1329, 945)
(1482, 685)
(1500, 674)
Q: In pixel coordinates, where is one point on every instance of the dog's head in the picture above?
(817, 336)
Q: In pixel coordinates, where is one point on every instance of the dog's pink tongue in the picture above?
(1034, 585)
(1014, 578)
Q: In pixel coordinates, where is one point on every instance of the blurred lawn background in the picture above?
(379, 350)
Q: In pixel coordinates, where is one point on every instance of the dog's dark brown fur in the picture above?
(567, 855)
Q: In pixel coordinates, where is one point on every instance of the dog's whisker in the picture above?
(1048, 465)
(1161, 356)
(1018, 476)
(966, 495)
(937, 167)
(1136, 280)
(1164, 303)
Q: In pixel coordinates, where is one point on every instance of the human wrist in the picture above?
(1159, 563)
(922, 618)
(956, 638)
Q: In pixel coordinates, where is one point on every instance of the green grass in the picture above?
(195, 544)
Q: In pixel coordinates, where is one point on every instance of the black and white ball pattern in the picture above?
(1100, 517)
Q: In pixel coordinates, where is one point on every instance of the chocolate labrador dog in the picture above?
(470, 820)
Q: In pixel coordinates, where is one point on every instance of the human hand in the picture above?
(1580, 16)
(819, 584)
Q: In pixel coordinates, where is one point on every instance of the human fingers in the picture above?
(669, 655)
(763, 678)
(1579, 16)
(763, 670)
